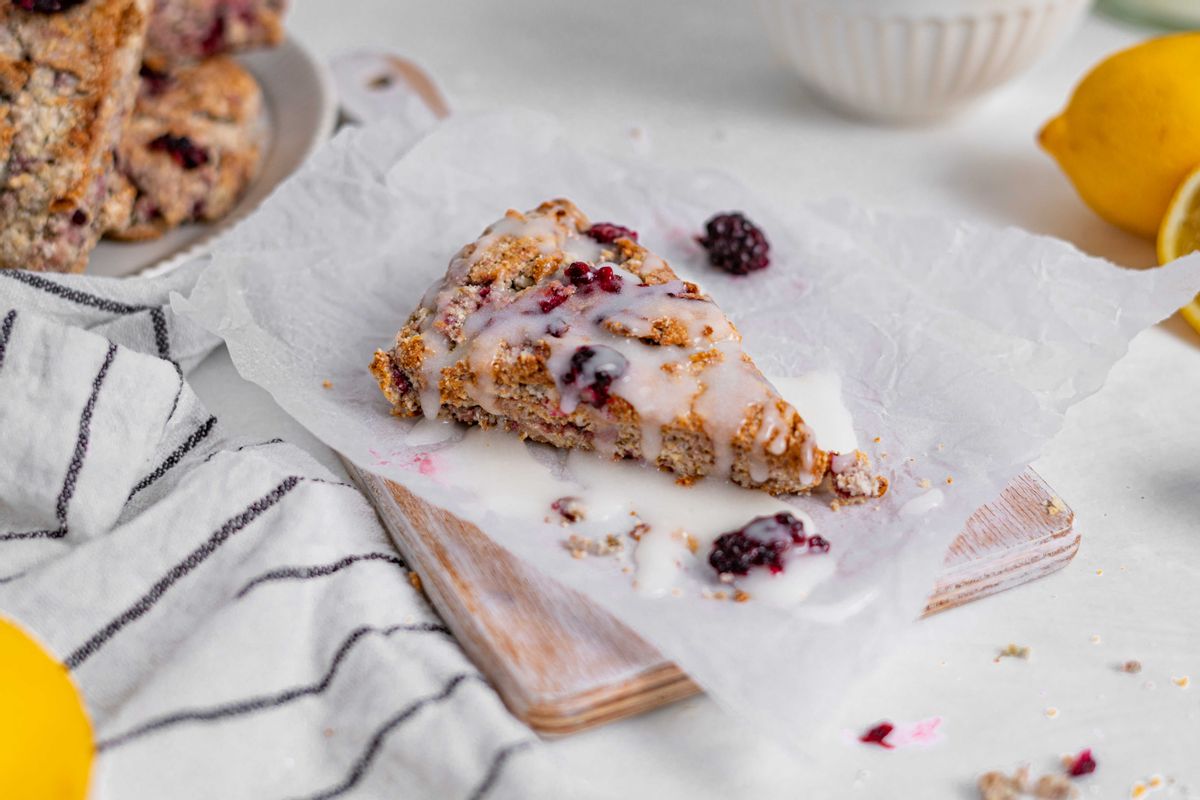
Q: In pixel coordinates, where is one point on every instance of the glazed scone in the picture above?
(68, 80)
(190, 149)
(183, 31)
(575, 335)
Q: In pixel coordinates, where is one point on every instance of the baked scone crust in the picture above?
(68, 82)
(509, 339)
(216, 106)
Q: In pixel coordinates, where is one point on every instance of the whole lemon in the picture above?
(1131, 132)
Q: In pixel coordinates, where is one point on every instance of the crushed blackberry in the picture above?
(818, 544)
(46, 6)
(735, 553)
(555, 295)
(878, 735)
(183, 151)
(79, 217)
(609, 232)
(1083, 764)
(735, 244)
(593, 369)
(760, 543)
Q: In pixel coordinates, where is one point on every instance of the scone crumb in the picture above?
(415, 580)
(1015, 651)
(570, 509)
(676, 592)
(1183, 681)
(740, 597)
(1095, 638)
(327, 384)
(835, 505)
(583, 546)
(924, 483)
(1132, 666)
(877, 440)
(1051, 712)
(998, 786)
(1054, 787)
(949, 479)
(1055, 506)
(1139, 790)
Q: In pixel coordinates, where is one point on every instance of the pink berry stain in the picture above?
(894, 736)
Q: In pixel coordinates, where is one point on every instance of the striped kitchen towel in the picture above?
(237, 621)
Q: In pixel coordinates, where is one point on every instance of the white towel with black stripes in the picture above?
(239, 624)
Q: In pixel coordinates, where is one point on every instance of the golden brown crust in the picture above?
(68, 81)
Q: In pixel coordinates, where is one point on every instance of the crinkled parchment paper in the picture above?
(944, 333)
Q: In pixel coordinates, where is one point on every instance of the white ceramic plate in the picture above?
(301, 108)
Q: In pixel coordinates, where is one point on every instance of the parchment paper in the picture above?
(944, 333)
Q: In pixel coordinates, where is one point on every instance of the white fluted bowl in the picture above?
(901, 60)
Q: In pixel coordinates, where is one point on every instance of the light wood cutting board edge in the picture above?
(563, 665)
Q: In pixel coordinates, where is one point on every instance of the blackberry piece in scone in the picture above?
(68, 79)
(574, 334)
(190, 149)
(185, 31)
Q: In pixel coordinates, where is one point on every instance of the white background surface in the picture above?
(700, 84)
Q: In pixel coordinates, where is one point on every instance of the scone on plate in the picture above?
(183, 31)
(574, 334)
(193, 144)
(68, 78)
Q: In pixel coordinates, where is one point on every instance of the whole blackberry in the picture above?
(46, 6)
(735, 244)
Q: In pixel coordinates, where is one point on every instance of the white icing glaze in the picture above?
(680, 522)
(922, 503)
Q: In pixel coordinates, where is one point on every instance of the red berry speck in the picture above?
(555, 295)
(1083, 764)
(609, 232)
(878, 735)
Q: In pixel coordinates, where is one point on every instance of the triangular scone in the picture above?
(578, 336)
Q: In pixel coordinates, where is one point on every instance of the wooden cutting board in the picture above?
(563, 664)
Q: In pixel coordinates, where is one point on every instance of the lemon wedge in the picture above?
(1179, 234)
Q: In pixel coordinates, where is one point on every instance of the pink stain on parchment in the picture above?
(921, 733)
(421, 462)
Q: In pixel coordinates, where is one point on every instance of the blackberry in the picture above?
(593, 369)
(182, 150)
(735, 244)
